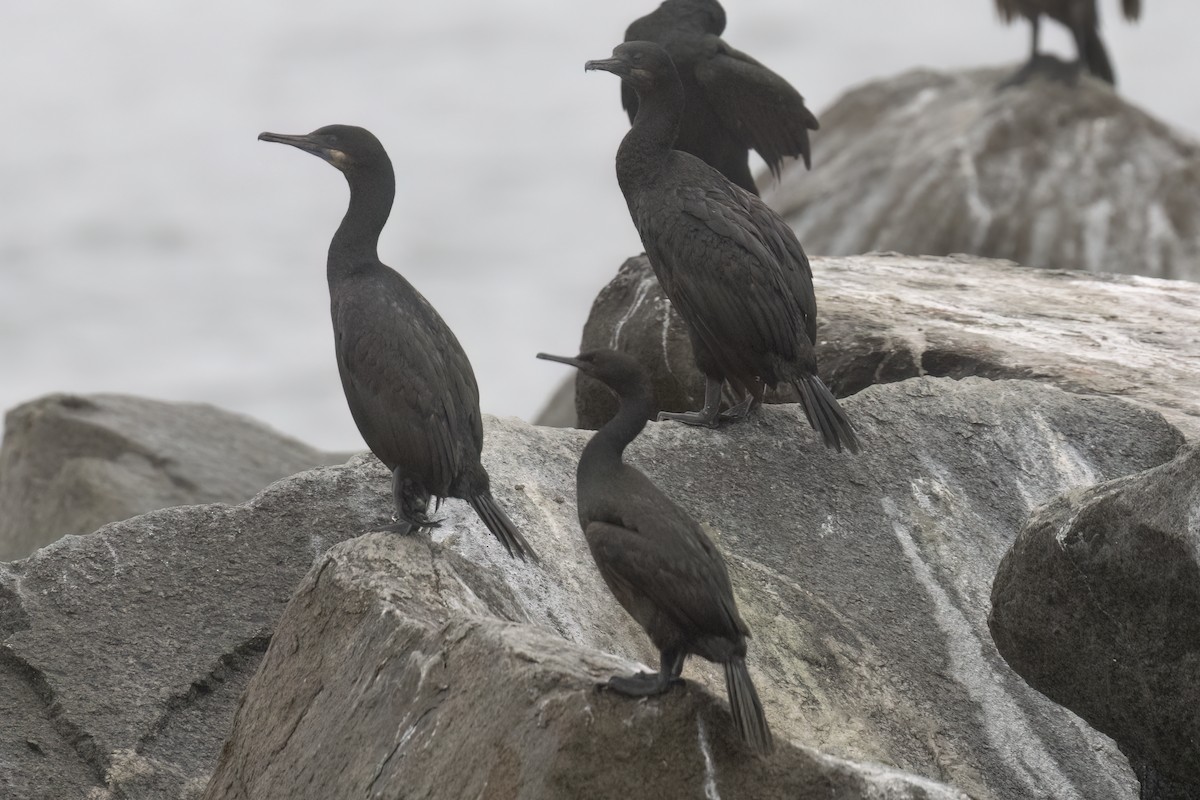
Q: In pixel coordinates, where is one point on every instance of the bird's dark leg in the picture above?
(740, 410)
(411, 501)
(752, 400)
(1037, 64)
(648, 684)
(707, 416)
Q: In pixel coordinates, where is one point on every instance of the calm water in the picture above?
(149, 244)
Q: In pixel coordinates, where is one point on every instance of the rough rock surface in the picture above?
(1046, 174)
(381, 667)
(71, 463)
(123, 653)
(865, 580)
(1098, 606)
(885, 317)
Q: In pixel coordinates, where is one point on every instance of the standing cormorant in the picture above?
(657, 561)
(408, 382)
(730, 266)
(1080, 17)
(732, 103)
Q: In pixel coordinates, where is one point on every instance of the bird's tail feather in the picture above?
(748, 716)
(1093, 54)
(501, 526)
(825, 415)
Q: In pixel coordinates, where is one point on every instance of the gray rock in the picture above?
(71, 463)
(124, 652)
(1097, 605)
(865, 580)
(1046, 174)
(886, 317)
(633, 314)
(559, 411)
(390, 667)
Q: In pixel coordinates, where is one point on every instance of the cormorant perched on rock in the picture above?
(731, 267)
(732, 103)
(1081, 19)
(657, 560)
(408, 382)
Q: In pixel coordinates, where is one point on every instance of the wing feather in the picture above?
(735, 271)
(761, 108)
(663, 577)
(409, 385)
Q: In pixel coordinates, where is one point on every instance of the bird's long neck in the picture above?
(644, 150)
(603, 453)
(357, 238)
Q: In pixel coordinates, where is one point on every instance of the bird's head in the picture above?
(703, 16)
(347, 147)
(643, 65)
(618, 371)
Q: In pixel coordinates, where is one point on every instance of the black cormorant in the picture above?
(732, 103)
(408, 382)
(730, 266)
(1080, 17)
(657, 560)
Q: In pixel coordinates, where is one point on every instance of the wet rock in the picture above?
(1097, 605)
(123, 653)
(71, 463)
(885, 317)
(864, 579)
(1045, 173)
(384, 661)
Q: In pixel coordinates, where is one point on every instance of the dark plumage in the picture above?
(408, 382)
(733, 104)
(731, 267)
(658, 561)
(1080, 17)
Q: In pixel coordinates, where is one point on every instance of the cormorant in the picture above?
(732, 103)
(730, 266)
(408, 382)
(657, 561)
(1080, 17)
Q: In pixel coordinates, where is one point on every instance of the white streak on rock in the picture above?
(639, 297)
(710, 771)
(112, 551)
(1004, 722)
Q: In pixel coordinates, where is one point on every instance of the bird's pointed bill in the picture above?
(614, 65)
(574, 362)
(308, 144)
(301, 141)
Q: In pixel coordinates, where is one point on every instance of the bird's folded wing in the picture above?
(757, 271)
(678, 576)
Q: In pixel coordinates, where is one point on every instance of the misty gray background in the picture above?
(150, 245)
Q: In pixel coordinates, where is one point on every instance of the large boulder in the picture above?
(123, 653)
(1046, 173)
(865, 580)
(71, 463)
(397, 666)
(886, 317)
(1097, 605)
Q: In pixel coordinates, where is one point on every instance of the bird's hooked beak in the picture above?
(574, 362)
(308, 144)
(616, 66)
